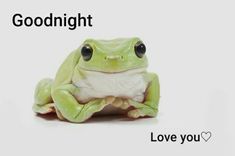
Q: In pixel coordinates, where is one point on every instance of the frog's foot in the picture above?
(43, 102)
(141, 110)
(121, 103)
(136, 113)
(44, 109)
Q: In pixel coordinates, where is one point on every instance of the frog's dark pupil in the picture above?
(86, 52)
(140, 49)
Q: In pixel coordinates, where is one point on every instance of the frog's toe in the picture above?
(121, 103)
(136, 113)
(133, 114)
(125, 104)
(109, 99)
(44, 109)
(117, 103)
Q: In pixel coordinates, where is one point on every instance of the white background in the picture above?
(190, 45)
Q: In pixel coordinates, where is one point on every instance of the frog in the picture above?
(101, 77)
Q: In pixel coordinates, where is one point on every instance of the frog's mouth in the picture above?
(132, 70)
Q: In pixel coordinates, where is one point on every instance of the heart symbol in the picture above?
(206, 135)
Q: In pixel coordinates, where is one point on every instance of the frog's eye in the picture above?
(87, 52)
(140, 49)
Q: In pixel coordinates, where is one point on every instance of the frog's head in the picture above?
(112, 56)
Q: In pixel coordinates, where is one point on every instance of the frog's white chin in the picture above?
(127, 84)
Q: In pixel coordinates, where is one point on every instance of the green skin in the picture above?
(58, 95)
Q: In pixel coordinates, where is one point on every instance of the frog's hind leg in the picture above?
(43, 102)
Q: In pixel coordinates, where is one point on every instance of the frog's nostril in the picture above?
(113, 57)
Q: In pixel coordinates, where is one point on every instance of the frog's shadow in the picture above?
(49, 117)
(93, 119)
(108, 118)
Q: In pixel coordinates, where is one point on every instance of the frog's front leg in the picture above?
(150, 105)
(71, 109)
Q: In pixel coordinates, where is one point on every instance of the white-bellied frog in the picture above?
(101, 76)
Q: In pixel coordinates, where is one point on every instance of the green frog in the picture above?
(101, 77)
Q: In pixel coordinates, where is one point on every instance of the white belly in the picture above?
(129, 84)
